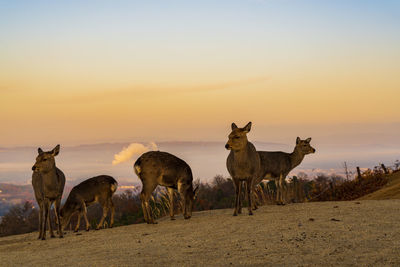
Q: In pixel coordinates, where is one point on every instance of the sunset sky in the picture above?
(77, 72)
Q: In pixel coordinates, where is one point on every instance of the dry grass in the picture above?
(306, 234)
(390, 191)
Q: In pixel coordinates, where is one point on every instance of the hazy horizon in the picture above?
(207, 159)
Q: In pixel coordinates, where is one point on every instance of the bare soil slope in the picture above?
(390, 191)
(325, 233)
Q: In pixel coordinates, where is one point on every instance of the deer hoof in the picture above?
(172, 219)
(53, 236)
(61, 236)
(235, 214)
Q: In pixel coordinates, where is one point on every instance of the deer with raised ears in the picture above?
(161, 168)
(276, 165)
(48, 184)
(99, 189)
(243, 164)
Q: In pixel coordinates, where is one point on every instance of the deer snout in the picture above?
(33, 168)
(227, 146)
(313, 150)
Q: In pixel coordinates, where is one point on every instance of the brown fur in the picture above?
(48, 184)
(276, 165)
(161, 168)
(99, 189)
(243, 164)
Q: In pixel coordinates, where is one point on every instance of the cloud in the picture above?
(151, 90)
(133, 149)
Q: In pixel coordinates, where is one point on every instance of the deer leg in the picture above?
(182, 191)
(243, 185)
(145, 197)
(282, 189)
(50, 226)
(41, 210)
(78, 223)
(171, 202)
(255, 198)
(112, 213)
(84, 212)
(238, 185)
(105, 212)
(147, 189)
(47, 204)
(86, 219)
(278, 191)
(249, 188)
(58, 220)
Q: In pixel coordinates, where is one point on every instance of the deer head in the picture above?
(303, 146)
(45, 161)
(238, 137)
(190, 198)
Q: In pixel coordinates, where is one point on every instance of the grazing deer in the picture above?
(243, 164)
(99, 189)
(277, 165)
(161, 168)
(48, 184)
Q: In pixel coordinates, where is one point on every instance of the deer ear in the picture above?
(56, 150)
(40, 151)
(308, 140)
(233, 126)
(298, 140)
(247, 128)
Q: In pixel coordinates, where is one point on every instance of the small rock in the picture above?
(189, 246)
(357, 202)
(78, 233)
(311, 219)
(335, 220)
(335, 207)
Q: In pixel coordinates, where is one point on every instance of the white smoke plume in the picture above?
(133, 149)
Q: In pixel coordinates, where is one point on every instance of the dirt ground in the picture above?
(326, 233)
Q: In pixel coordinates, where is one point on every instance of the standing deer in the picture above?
(99, 189)
(277, 165)
(161, 168)
(48, 184)
(243, 164)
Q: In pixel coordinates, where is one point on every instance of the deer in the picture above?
(243, 164)
(276, 165)
(48, 183)
(162, 168)
(99, 189)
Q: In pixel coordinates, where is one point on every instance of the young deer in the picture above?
(277, 165)
(48, 184)
(99, 189)
(243, 164)
(161, 168)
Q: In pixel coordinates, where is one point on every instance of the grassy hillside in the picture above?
(337, 233)
(390, 191)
